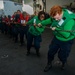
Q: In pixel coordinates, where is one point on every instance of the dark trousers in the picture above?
(6, 29)
(16, 31)
(63, 49)
(10, 31)
(23, 31)
(36, 39)
(13, 30)
(2, 27)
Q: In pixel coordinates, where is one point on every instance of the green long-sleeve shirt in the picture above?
(63, 26)
(35, 30)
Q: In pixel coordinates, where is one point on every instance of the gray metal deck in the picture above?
(13, 59)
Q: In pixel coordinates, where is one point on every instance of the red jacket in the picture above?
(26, 18)
(21, 17)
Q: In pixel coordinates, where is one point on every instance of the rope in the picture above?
(61, 30)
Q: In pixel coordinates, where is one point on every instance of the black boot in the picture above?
(22, 44)
(63, 66)
(16, 40)
(37, 52)
(21, 41)
(28, 51)
(48, 67)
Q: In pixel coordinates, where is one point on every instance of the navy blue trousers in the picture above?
(3, 27)
(16, 31)
(36, 39)
(63, 49)
(23, 31)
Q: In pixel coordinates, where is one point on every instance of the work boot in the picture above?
(48, 67)
(37, 52)
(15, 41)
(21, 44)
(62, 66)
(28, 53)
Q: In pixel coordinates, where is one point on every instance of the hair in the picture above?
(19, 10)
(40, 13)
(9, 16)
(24, 13)
(55, 9)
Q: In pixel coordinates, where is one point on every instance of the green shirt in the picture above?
(35, 30)
(66, 23)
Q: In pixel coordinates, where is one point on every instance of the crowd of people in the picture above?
(61, 21)
(13, 25)
(21, 25)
